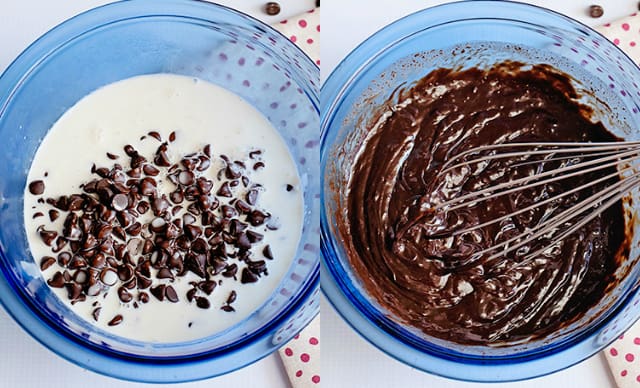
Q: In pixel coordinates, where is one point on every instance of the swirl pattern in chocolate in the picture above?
(434, 282)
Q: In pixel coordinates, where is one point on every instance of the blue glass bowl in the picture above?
(462, 35)
(132, 38)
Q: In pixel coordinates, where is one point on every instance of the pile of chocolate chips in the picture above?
(105, 245)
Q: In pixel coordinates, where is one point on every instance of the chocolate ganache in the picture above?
(432, 281)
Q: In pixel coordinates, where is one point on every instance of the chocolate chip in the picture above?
(204, 164)
(272, 8)
(119, 202)
(227, 308)
(228, 212)
(171, 294)
(248, 276)
(112, 156)
(125, 218)
(47, 236)
(258, 166)
(202, 302)
(172, 136)
(172, 231)
(108, 276)
(199, 246)
(207, 286)
(57, 280)
(124, 295)
(164, 273)
(64, 258)
(119, 233)
(252, 197)
(96, 313)
(176, 196)
(148, 187)
(98, 261)
(46, 262)
(143, 297)
(218, 265)
(37, 214)
(289, 187)
(232, 297)
(266, 252)
(596, 11)
(192, 231)
(159, 205)
(254, 154)
(205, 185)
(53, 214)
(135, 229)
(155, 135)
(196, 263)
(186, 178)
(230, 271)
(207, 150)
(224, 190)
(158, 291)
(78, 262)
(158, 225)
(258, 267)
(254, 237)
(116, 320)
(256, 217)
(150, 170)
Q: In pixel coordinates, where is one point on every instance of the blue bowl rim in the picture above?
(332, 92)
(215, 363)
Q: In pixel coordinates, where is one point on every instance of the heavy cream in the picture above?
(200, 114)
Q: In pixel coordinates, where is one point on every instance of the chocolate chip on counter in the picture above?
(242, 206)
(112, 156)
(224, 190)
(207, 150)
(37, 214)
(252, 197)
(289, 187)
(46, 262)
(115, 320)
(227, 308)
(230, 271)
(258, 166)
(172, 136)
(272, 8)
(171, 294)
(159, 205)
(143, 297)
(161, 159)
(596, 11)
(254, 237)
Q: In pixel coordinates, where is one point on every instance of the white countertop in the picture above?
(349, 360)
(24, 363)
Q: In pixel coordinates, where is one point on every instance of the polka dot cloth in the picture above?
(625, 33)
(301, 356)
(623, 354)
(304, 30)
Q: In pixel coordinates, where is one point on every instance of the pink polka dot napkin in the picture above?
(301, 356)
(304, 30)
(623, 355)
(625, 33)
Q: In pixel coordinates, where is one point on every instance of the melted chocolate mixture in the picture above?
(401, 249)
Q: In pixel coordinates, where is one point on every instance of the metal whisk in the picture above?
(574, 159)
